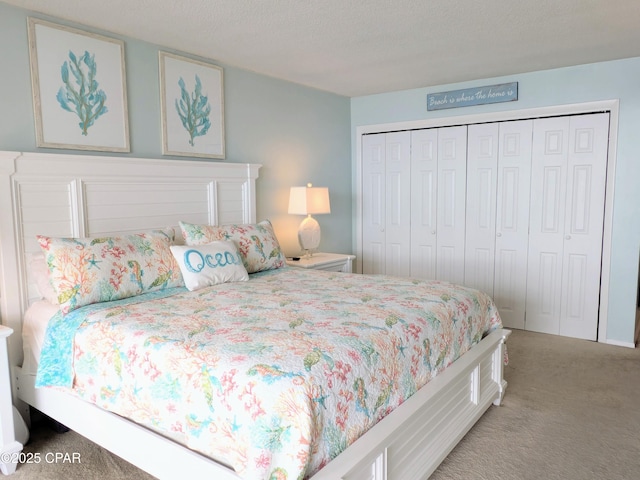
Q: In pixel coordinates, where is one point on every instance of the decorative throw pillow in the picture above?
(83, 271)
(257, 243)
(209, 264)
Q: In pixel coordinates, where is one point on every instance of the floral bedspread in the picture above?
(275, 376)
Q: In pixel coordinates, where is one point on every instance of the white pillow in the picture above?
(39, 273)
(209, 264)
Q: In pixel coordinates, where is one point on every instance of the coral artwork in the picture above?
(193, 109)
(80, 93)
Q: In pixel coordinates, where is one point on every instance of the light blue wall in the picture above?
(585, 83)
(298, 134)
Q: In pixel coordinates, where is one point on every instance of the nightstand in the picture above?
(332, 262)
(9, 448)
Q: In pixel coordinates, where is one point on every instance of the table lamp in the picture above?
(309, 201)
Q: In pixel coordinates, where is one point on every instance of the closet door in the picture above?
(567, 192)
(452, 163)
(584, 222)
(398, 204)
(386, 203)
(373, 203)
(424, 179)
(482, 167)
(546, 237)
(512, 221)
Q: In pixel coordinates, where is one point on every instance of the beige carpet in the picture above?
(571, 411)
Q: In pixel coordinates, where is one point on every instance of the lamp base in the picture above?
(309, 235)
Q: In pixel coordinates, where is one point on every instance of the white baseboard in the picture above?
(621, 344)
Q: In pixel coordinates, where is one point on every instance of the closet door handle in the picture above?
(433, 232)
(567, 237)
(498, 234)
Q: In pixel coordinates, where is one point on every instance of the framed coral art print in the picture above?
(79, 88)
(192, 106)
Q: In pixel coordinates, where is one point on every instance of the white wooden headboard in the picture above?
(68, 195)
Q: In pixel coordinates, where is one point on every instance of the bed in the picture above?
(405, 433)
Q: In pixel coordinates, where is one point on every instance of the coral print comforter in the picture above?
(274, 376)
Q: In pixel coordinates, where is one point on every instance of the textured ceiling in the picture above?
(361, 47)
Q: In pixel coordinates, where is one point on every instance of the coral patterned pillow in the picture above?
(257, 243)
(92, 270)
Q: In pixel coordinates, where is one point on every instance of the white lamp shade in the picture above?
(309, 200)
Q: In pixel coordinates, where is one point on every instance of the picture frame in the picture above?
(192, 107)
(79, 88)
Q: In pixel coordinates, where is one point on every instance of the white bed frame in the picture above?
(74, 195)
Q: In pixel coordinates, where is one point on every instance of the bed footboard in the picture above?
(409, 443)
(413, 440)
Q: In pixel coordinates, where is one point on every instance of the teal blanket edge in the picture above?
(55, 368)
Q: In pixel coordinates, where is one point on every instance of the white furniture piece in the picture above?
(10, 448)
(514, 208)
(332, 262)
(82, 195)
